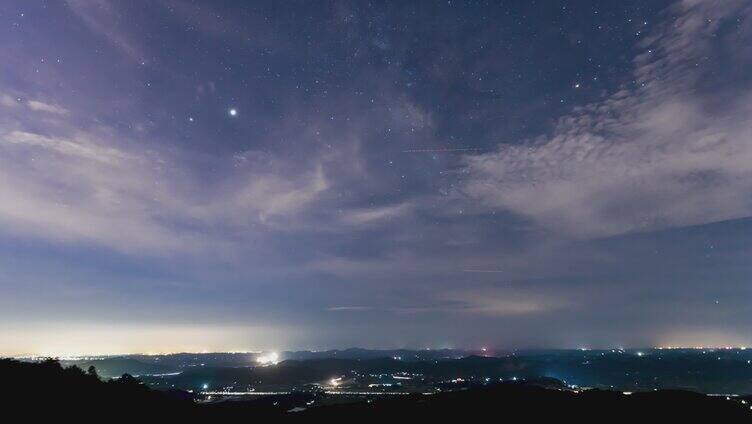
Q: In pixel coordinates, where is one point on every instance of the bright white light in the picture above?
(233, 112)
(334, 382)
(640, 353)
(271, 358)
(205, 386)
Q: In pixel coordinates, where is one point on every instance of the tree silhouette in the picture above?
(65, 390)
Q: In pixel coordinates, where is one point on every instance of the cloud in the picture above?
(76, 190)
(80, 148)
(349, 308)
(376, 214)
(263, 176)
(670, 150)
(406, 113)
(8, 101)
(75, 178)
(46, 107)
(500, 302)
(347, 267)
(12, 102)
(104, 18)
(96, 187)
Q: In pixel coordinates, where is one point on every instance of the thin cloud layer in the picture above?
(667, 150)
(95, 187)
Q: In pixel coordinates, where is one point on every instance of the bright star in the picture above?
(233, 112)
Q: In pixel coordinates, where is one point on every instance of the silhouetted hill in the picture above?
(36, 390)
(117, 366)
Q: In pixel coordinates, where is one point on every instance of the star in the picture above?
(233, 112)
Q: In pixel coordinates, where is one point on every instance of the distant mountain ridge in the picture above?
(117, 366)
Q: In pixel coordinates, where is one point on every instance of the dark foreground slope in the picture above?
(39, 389)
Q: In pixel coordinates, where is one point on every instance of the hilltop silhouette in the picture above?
(36, 390)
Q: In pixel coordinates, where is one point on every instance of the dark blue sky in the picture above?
(179, 175)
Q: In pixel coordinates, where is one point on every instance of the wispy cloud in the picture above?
(667, 150)
(94, 186)
(46, 107)
(349, 308)
(36, 105)
(8, 101)
(104, 18)
(501, 302)
(376, 214)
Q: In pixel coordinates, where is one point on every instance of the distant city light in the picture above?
(205, 386)
(640, 353)
(271, 358)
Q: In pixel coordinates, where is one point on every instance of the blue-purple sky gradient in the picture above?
(179, 175)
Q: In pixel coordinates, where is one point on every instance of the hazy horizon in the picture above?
(491, 352)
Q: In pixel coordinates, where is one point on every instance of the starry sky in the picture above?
(205, 176)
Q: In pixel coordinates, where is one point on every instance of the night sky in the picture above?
(204, 176)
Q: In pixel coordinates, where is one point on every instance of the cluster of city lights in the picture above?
(270, 358)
